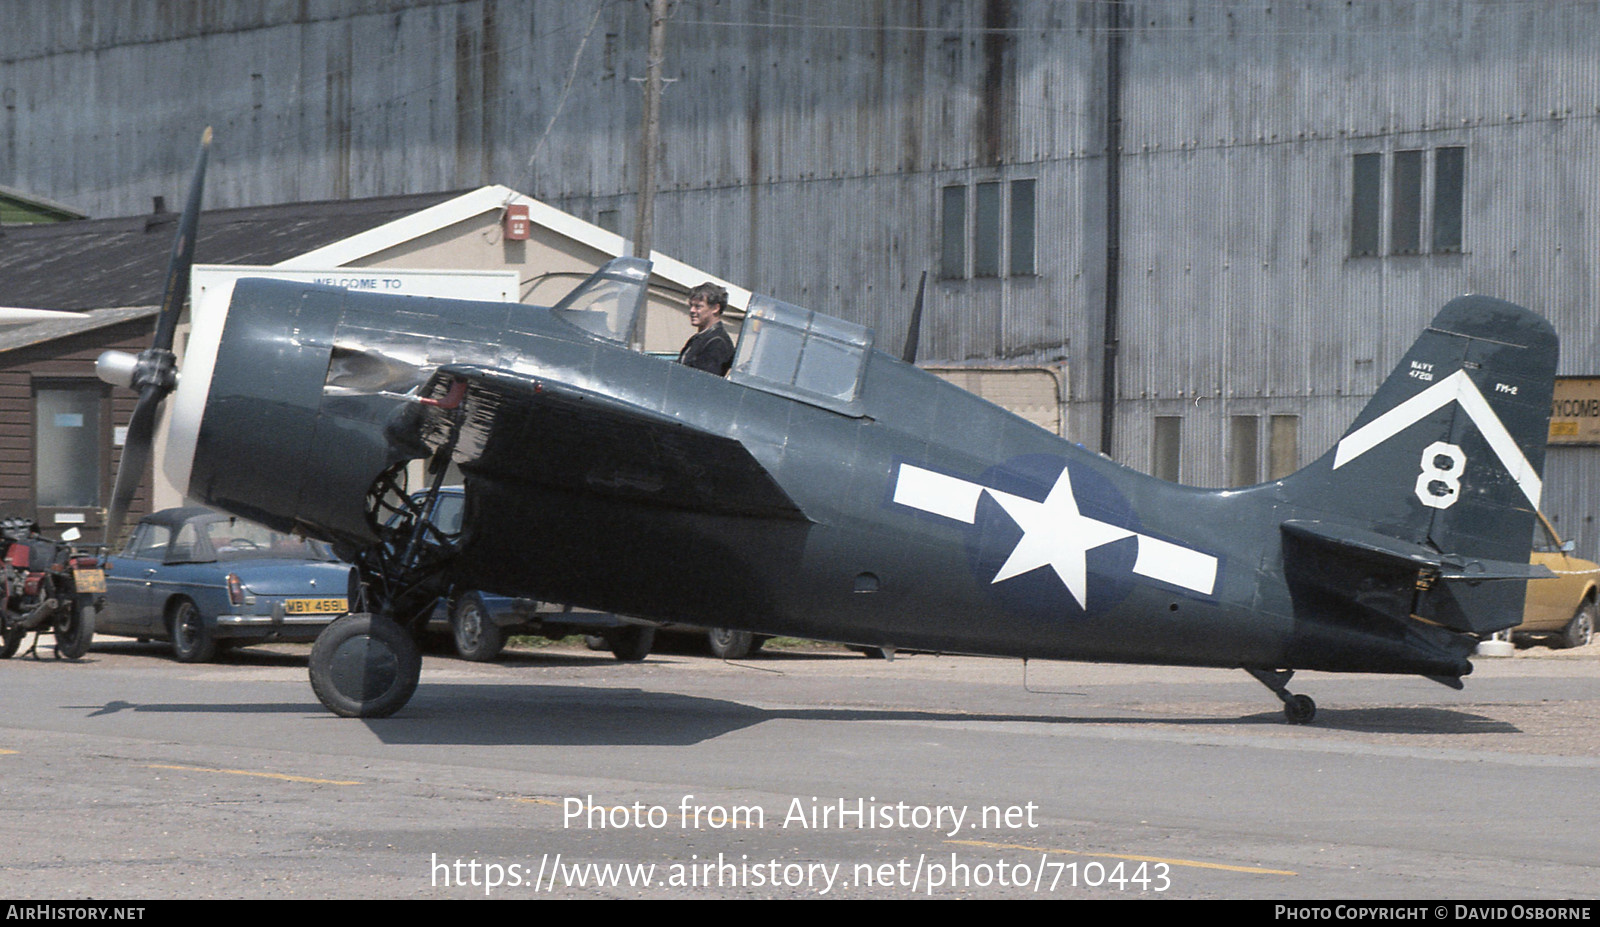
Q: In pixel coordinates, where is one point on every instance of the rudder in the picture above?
(1442, 469)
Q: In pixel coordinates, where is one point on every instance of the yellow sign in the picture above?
(1575, 413)
(87, 580)
(315, 606)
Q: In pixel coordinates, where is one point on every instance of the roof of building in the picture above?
(21, 208)
(93, 320)
(101, 263)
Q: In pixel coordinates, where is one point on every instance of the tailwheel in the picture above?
(365, 666)
(1298, 709)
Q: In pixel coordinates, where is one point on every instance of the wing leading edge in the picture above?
(541, 432)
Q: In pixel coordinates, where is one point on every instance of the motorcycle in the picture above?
(46, 586)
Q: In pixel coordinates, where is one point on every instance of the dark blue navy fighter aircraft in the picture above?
(841, 493)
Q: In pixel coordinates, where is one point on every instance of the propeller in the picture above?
(154, 373)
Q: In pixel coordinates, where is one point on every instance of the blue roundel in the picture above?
(995, 535)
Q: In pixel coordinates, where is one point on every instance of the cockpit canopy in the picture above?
(801, 354)
(783, 349)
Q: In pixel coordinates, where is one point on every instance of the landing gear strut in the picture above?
(1298, 709)
(367, 664)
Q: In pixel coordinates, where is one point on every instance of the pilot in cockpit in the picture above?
(710, 348)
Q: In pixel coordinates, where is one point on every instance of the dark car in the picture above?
(205, 580)
(480, 622)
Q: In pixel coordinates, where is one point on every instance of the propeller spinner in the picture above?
(154, 373)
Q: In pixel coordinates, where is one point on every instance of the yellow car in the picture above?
(1561, 609)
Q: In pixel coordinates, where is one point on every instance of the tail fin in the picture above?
(1440, 474)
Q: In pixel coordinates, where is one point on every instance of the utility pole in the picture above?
(644, 218)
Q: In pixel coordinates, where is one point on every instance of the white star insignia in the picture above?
(1055, 534)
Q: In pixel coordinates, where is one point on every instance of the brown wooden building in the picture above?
(59, 424)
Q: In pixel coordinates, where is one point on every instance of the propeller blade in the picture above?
(154, 373)
(135, 457)
(182, 259)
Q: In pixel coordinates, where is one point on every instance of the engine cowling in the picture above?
(262, 425)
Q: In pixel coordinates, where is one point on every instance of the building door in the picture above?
(72, 451)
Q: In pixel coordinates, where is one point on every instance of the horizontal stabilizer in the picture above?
(1371, 544)
(518, 428)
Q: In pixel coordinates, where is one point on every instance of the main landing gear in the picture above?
(1299, 709)
(367, 663)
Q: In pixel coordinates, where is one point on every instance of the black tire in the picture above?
(596, 642)
(632, 643)
(1580, 630)
(193, 641)
(10, 641)
(729, 644)
(1300, 709)
(364, 667)
(74, 630)
(472, 628)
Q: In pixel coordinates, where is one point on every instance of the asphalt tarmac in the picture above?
(802, 773)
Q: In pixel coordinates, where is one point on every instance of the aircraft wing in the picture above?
(521, 428)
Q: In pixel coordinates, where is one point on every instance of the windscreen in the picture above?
(608, 302)
(237, 539)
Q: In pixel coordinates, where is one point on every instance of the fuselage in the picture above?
(931, 519)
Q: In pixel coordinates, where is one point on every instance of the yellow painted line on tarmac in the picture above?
(1190, 863)
(263, 775)
(8, 751)
(533, 801)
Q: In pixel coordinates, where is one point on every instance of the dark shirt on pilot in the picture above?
(710, 350)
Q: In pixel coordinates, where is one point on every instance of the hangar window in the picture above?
(801, 354)
(953, 233)
(1167, 447)
(1365, 205)
(1244, 455)
(1283, 446)
(1449, 192)
(1407, 202)
(1000, 239)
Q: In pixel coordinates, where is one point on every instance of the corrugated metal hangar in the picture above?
(1280, 195)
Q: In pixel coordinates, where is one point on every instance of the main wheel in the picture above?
(632, 643)
(477, 637)
(732, 645)
(1580, 630)
(364, 666)
(74, 630)
(192, 640)
(10, 641)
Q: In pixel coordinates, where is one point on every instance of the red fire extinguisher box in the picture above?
(517, 223)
